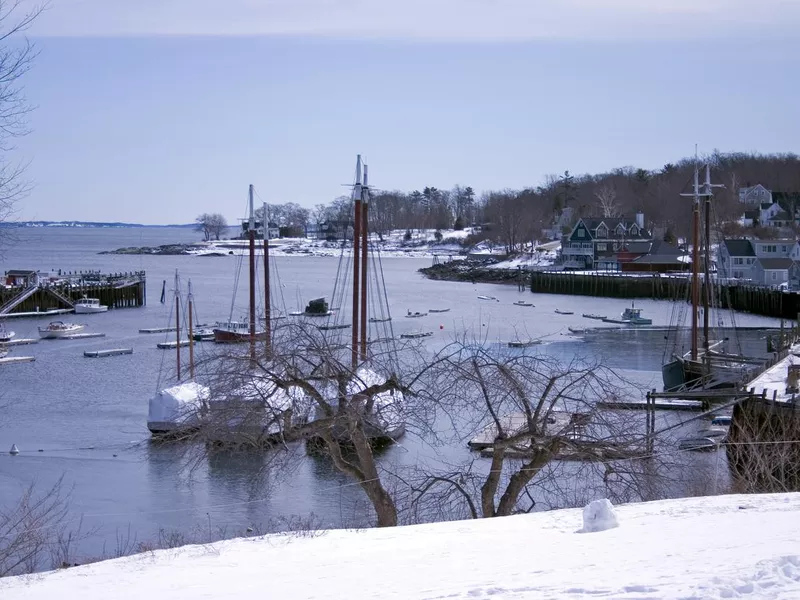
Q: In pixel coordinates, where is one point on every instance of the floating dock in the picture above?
(655, 404)
(41, 313)
(172, 345)
(20, 342)
(16, 359)
(110, 352)
(331, 327)
(80, 336)
(516, 423)
(159, 330)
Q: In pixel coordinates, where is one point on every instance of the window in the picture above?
(602, 231)
(783, 248)
(587, 245)
(581, 232)
(602, 247)
(737, 261)
(634, 230)
(774, 275)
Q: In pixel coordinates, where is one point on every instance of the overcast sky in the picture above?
(157, 110)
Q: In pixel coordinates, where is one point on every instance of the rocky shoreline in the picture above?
(473, 270)
(166, 250)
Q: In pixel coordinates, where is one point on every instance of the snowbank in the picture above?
(718, 547)
(599, 516)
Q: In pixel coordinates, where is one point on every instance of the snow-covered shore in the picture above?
(708, 547)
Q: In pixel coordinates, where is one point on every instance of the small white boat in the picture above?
(379, 319)
(705, 439)
(203, 334)
(86, 306)
(631, 316)
(3, 351)
(58, 329)
(416, 315)
(564, 312)
(522, 303)
(487, 298)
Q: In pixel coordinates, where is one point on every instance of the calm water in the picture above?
(88, 415)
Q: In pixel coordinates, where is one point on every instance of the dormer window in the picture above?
(634, 230)
(602, 231)
(620, 229)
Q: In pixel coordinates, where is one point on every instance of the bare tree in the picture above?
(17, 54)
(211, 225)
(607, 197)
(308, 390)
(530, 415)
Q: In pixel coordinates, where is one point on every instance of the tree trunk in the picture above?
(489, 487)
(508, 501)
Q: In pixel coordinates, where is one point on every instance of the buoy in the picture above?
(14, 450)
(441, 326)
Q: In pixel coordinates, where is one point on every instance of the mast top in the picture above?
(252, 221)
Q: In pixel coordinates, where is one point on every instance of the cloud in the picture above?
(446, 20)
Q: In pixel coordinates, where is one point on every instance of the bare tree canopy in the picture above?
(16, 58)
(211, 225)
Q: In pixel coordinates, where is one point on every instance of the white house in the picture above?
(755, 195)
(786, 248)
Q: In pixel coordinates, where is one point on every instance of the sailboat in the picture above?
(230, 331)
(180, 408)
(703, 367)
(385, 420)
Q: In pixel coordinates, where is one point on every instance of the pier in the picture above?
(745, 298)
(33, 293)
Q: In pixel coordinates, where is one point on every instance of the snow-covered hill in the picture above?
(702, 548)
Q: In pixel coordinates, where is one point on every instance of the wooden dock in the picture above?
(159, 330)
(110, 352)
(746, 298)
(516, 423)
(8, 360)
(656, 404)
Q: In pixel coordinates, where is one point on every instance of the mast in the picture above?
(251, 234)
(695, 254)
(356, 248)
(267, 305)
(706, 261)
(191, 340)
(364, 234)
(177, 325)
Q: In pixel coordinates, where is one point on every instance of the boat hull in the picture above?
(223, 336)
(57, 333)
(82, 309)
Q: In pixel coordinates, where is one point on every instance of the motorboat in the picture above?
(57, 329)
(630, 316)
(564, 312)
(415, 315)
(86, 306)
(705, 439)
(487, 298)
(203, 334)
(522, 303)
(234, 332)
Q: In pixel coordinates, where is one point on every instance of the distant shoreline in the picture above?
(89, 225)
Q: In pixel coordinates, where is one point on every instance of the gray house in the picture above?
(736, 259)
(771, 271)
(755, 195)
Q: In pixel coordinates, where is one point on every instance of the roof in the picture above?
(739, 247)
(765, 205)
(659, 259)
(782, 241)
(636, 247)
(17, 272)
(781, 216)
(775, 264)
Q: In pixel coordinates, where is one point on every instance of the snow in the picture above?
(709, 547)
(177, 406)
(599, 515)
(773, 380)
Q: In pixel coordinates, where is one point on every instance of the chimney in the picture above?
(640, 219)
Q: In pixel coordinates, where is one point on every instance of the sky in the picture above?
(158, 110)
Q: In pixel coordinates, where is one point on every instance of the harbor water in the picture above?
(84, 419)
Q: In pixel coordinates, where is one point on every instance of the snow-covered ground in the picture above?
(701, 548)
(773, 380)
(422, 243)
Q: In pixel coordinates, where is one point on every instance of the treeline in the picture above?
(512, 218)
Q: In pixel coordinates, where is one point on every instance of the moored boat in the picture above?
(594, 316)
(564, 312)
(630, 316)
(87, 306)
(5, 334)
(415, 315)
(234, 332)
(57, 329)
(522, 303)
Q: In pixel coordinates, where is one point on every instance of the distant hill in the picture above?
(85, 224)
